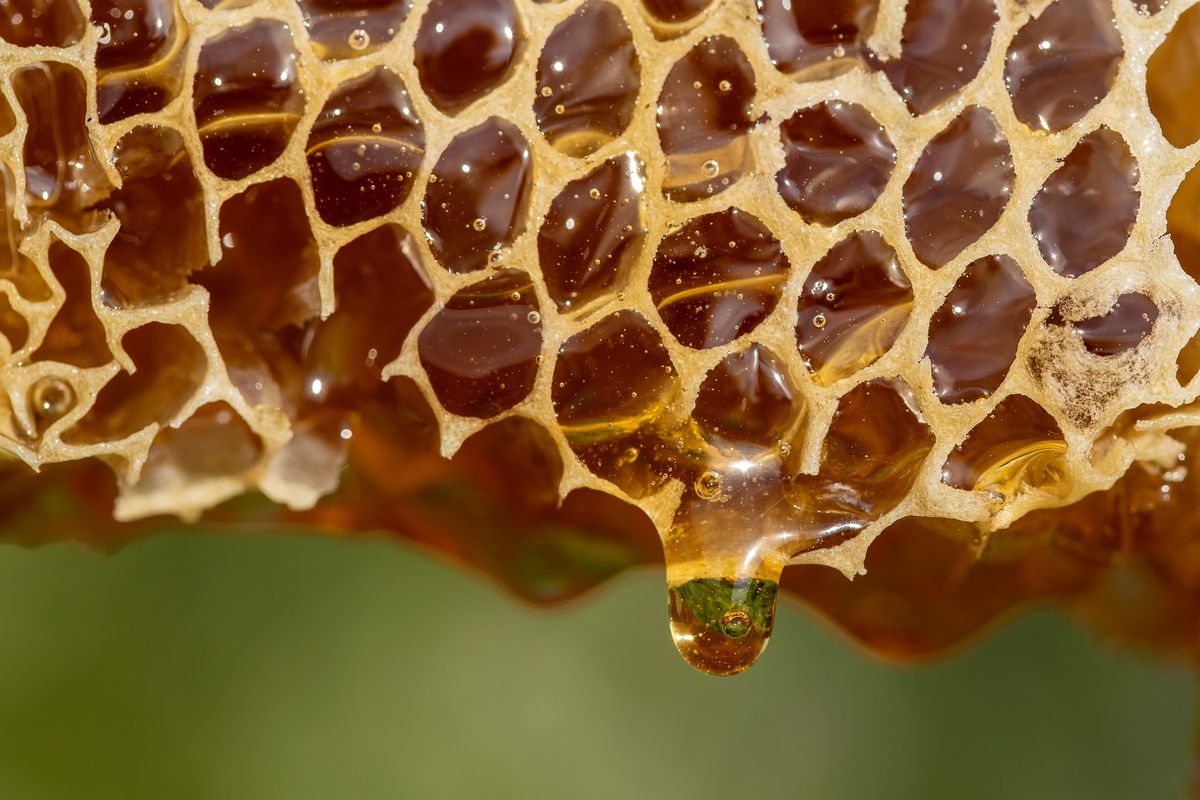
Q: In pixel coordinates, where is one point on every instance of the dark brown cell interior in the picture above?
(959, 187)
(15, 266)
(1082, 215)
(466, 48)
(973, 337)
(612, 384)
(12, 325)
(748, 397)
(837, 160)
(339, 29)
(593, 233)
(475, 199)
(138, 56)
(717, 278)
(814, 40)
(1173, 81)
(75, 335)
(247, 97)
(481, 349)
(48, 23)
(169, 366)
(588, 77)
(365, 147)
(705, 110)
(1017, 446)
(1062, 63)
(854, 304)
(1121, 328)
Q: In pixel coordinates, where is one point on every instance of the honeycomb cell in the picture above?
(169, 366)
(213, 442)
(1183, 223)
(62, 170)
(704, 113)
(973, 337)
(15, 266)
(1063, 62)
(943, 45)
(854, 304)
(340, 29)
(593, 233)
(1173, 81)
(1121, 328)
(46, 23)
(365, 147)
(717, 278)
(817, 40)
(8, 120)
(837, 160)
(612, 386)
(675, 11)
(75, 335)
(959, 187)
(247, 97)
(139, 56)
(162, 238)
(1016, 448)
(1082, 215)
(465, 49)
(480, 351)
(588, 80)
(13, 326)
(748, 398)
(475, 201)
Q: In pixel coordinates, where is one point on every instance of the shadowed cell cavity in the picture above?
(365, 147)
(138, 56)
(973, 337)
(587, 79)
(704, 113)
(814, 40)
(62, 170)
(339, 29)
(13, 326)
(717, 278)
(854, 304)
(612, 387)
(1183, 223)
(593, 233)
(465, 49)
(247, 97)
(1016, 448)
(837, 160)
(481, 350)
(75, 335)
(1062, 63)
(748, 398)
(15, 266)
(475, 200)
(942, 47)
(959, 187)
(46, 23)
(1121, 328)
(673, 16)
(1173, 81)
(169, 366)
(1082, 215)
(162, 238)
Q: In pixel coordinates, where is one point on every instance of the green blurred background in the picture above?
(201, 666)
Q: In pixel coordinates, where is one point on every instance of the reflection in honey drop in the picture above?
(50, 398)
(722, 625)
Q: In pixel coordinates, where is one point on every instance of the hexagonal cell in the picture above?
(339, 29)
(1062, 63)
(247, 97)
(593, 233)
(1173, 81)
(612, 386)
(45, 23)
(717, 278)
(958, 188)
(481, 349)
(1082, 215)
(465, 49)
(973, 337)
(704, 113)
(837, 161)
(160, 205)
(139, 56)
(365, 147)
(588, 78)
(748, 398)
(942, 47)
(817, 40)
(855, 302)
(1016, 448)
(1121, 328)
(475, 200)
(75, 335)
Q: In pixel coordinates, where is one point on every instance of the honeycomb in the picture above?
(898, 290)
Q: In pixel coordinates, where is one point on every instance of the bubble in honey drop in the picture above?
(50, 399)
(359, 39)
(736, 624)
(711, 168)
(708, 486)
(479, 224)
